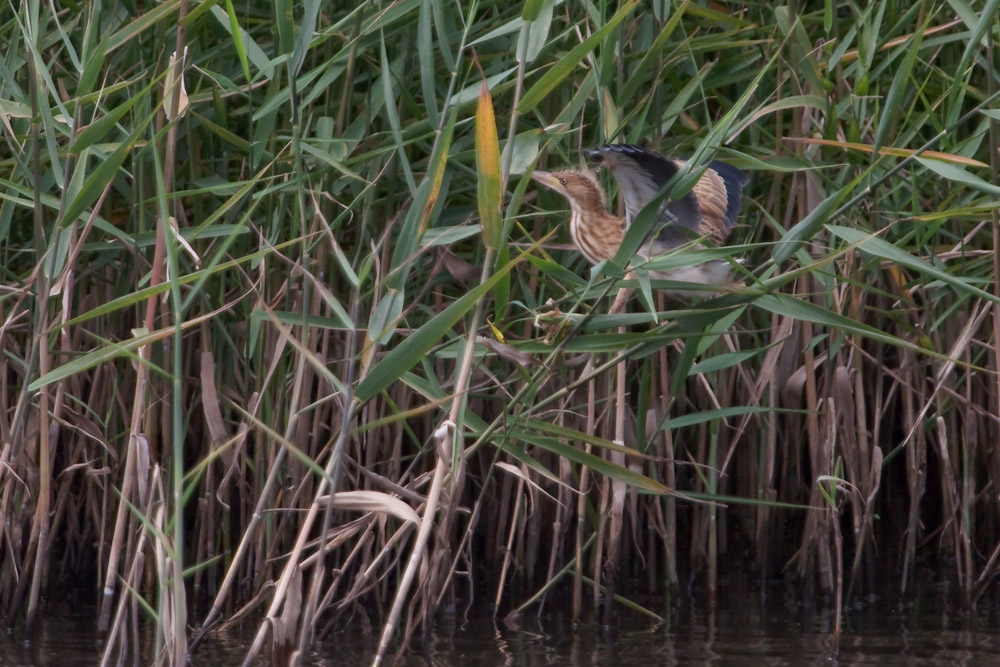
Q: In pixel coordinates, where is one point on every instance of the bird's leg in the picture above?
(621, 299)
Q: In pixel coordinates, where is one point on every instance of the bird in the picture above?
(709, 210)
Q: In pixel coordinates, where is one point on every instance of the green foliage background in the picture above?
(327, 291)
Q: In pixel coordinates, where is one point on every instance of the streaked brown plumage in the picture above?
(709, 210)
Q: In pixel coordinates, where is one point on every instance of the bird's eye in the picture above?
(562, 181)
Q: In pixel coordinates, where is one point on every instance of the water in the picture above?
(754, 632)
(748, 635)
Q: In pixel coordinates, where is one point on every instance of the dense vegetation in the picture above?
(276, 333)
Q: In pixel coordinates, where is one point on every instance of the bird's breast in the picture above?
(597, 236)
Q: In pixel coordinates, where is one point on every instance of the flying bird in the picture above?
(708, 210)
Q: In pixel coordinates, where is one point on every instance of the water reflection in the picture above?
(924, 632)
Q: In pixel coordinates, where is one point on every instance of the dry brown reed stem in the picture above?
(263, 500)
(131, 469)
(39, 527)
(509, 544)
(419, 546)
(246, 541)
(115, 639)
(617, 487)
(916, 461)
(670, 509)
(994, 134)
(40, 523)
(618, 490)
(563, 510)
(581, 499)
(333, 470)
(712, 512)
(177, 633)
(449, 441)
(288, 572)
(138, 411)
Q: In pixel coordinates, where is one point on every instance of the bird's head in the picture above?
(580, 188)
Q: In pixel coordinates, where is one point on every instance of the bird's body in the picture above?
(708, 210)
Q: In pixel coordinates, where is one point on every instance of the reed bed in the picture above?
(289, 338)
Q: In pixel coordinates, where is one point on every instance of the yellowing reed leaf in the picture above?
(488, 169)
(853, 54)
(889, 150)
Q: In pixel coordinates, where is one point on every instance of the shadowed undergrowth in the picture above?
(274, 331)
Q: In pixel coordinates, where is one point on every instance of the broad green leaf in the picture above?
(449, 235)
(405, 356)
(880, 248)
(640, 75)
(284, 20)
(102, 355)
(389, 92)
(105, 172)
(382, 323)
(419, 212)
(304, 36)
(723, 413)
(294, 319)
(568, 63)
(567, 433)
(100, 127)
(471, 93)
(253, 52)
(525, 151)
(783, 304)
(425, 54)
(720, 361)
(92, 69)
(900, 82)
(532, 8)
(806, 228)
(595, 463)
(223, 133)
(145, 20)
(237, 35)
(987, 20)
(538, 31)
(955, 173)
(326, 157)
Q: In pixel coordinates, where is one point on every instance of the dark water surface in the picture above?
(756, 632)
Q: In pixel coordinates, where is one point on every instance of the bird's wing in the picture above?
(720, 193)
(709, 209)
(641, 174)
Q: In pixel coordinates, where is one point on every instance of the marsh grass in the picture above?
(311, 349)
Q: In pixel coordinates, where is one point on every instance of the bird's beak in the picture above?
(548, 180)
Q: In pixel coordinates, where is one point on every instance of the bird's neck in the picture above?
(596, 233)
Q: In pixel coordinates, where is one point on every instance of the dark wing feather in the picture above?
(710, 208)
(641, 174)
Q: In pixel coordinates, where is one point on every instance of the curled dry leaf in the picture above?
(373, 501)
(517, 472)
(182, 242)
(459, 268)
(508, 352)
(176, 73)
(210, 402)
